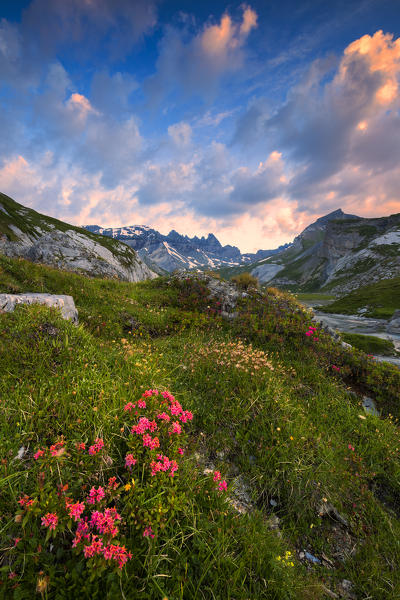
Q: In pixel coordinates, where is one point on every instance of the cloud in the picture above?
(180, 133)
(340, 134)
(196, 64)
(87, 25)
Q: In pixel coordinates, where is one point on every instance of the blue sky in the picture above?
(249, 120)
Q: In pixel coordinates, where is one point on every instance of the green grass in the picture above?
(370, 344)
(267, 404)
(381, 299)
(313, 296)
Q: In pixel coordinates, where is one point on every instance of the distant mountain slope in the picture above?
(29, 234)
(176, 251)
(338, 253)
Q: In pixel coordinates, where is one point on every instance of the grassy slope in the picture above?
(381, 299)
(286, 429)
(370, 344)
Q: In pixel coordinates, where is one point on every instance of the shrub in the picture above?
(244, 281)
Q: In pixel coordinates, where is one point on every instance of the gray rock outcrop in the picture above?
(39, 238)
(66, 304)
(394, 324)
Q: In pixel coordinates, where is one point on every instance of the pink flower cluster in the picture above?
(130, 461)
(50, 520)
(144, 425)
(311, 332)
(96, 495)
(152, 443)
(176, 428)
(97, 446)
(222, 486)
(110, 552)
(112, 483)
(163, 463)
(129, 407)
(75, 509)
(335, 368)
(38, 454)
(104, 522)
(26, 502)
(148, 532)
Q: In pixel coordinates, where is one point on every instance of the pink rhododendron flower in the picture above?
(75, 510)
(97, 446)
(217, 476)
(50, 520)
(105, 522)
(57, 449)
(176, 408)
(117, 553)
(130, 461)
(186, 416)
(129, 406)
(96, 547)
(176, 428)
(26, 502)
(151, 442)
(180, 451)
(335, 368)
(38, 454)
(164, 417)
(112, 483)
(96, 495)
(350, 447)
(222, 486)
(80, 446)
(148, 532)
(141, 403)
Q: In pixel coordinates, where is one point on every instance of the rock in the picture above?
(345, 589)
(369, 406)
(273, 522)
(394, 324)
(41, 239)
(311, 558)
(327, 509)
(66, 304)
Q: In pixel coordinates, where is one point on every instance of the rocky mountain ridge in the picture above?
(28, 234)
(176, 251)
(337, 253)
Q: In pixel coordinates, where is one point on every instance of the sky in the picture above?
(248, 120)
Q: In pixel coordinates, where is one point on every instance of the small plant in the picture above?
(245, 281)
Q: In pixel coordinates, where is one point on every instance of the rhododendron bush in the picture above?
(82, 503)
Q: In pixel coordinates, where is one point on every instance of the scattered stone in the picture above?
(369, 406)
(273, 523)
(311, 558)
(345, 589)
(329, 592)
(273, 502)
(20, 454)
(327, 509)
(66, 304)
(394, 324)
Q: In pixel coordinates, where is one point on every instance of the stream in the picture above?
(362, 325)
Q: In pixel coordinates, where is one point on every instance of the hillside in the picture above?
(29, 234)
(336, 254)
(379, 300)
(275, 484)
